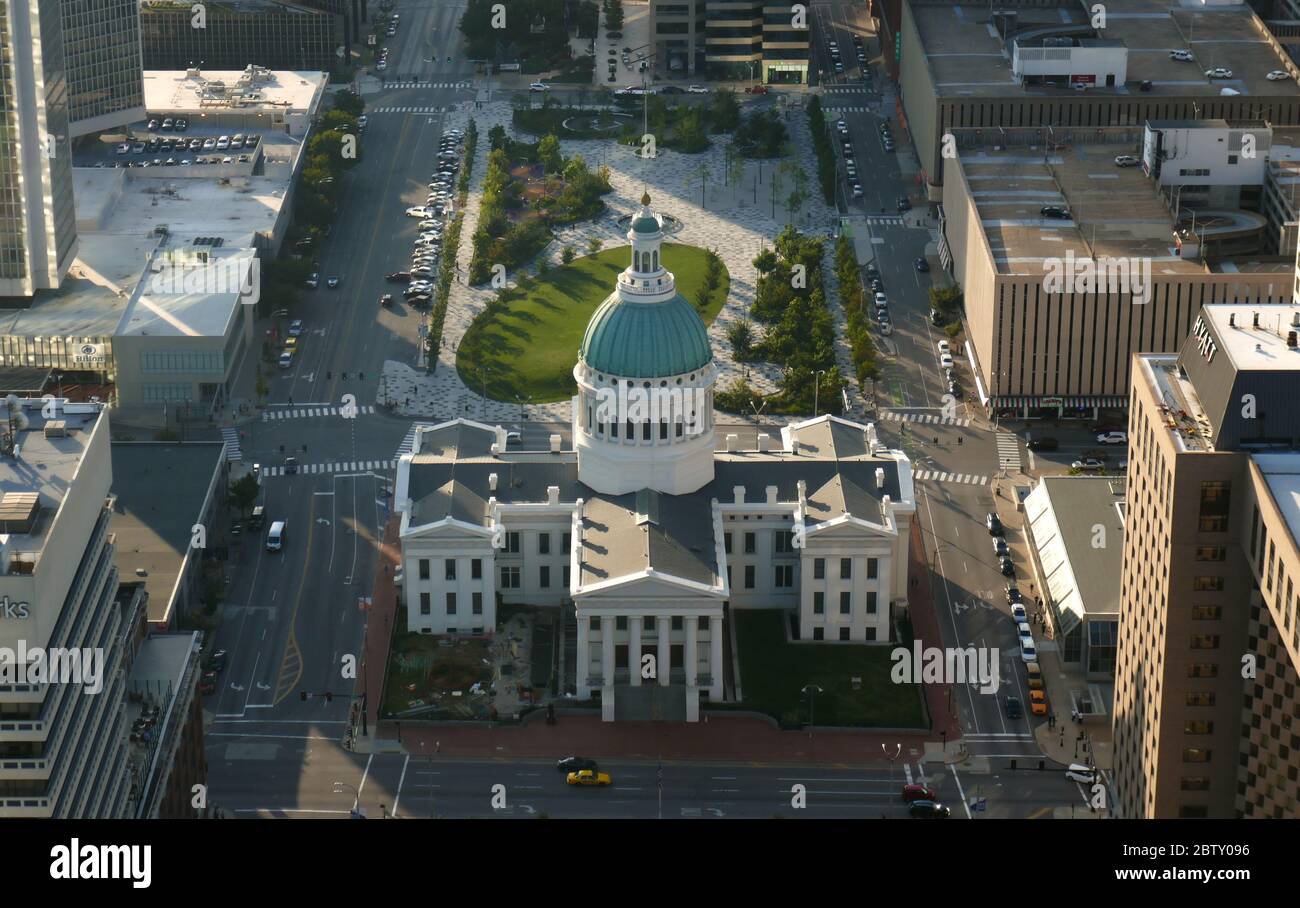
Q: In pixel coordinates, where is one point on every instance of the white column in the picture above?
(664, 667)
(715, 657)
(584, 656)
(692, 625)
(634, 648)
(607, 649)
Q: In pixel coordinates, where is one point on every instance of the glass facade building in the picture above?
(101, 44)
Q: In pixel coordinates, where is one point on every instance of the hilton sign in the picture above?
(18, 610)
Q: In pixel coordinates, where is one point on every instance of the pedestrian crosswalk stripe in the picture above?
(316, 469)
(231, 438)
(833, 108)
(409, 84)
(1008, 451)
(896, 219)
(904, 416)
(969, 479)
(409, 110)
(312, 412)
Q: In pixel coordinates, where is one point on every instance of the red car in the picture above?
(757, 89)
(918, 793)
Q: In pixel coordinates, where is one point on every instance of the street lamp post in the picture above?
(812, 690)
(817, 377)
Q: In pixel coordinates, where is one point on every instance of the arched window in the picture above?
(656, 261)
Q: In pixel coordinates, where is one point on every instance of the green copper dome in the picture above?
(646, 340)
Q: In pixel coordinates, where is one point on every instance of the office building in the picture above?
(647, 528)
(63, 745)
(38, 235)
(101, 47)
(730, 39)
(1069, 265)
(1206, 684)
(1045, 66)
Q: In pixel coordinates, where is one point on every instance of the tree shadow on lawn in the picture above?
(517, 330)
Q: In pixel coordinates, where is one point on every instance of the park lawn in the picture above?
(527, 351)
(773, 674)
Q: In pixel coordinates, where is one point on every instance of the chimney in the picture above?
(1232, 319)
(492, 482)
(803, 489)
(771, 494)
(738, 491)
(494, 449)
(1254, 319)
(880, 477)
(764, 441)
(1295, 319)
(552, 494)
(555, 444)
(732, 442)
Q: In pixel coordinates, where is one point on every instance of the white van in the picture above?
(275, 537)
(1027, 651)
(1078, 772)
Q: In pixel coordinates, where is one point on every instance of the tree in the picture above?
(724, 111)
(243, 492)
(703, 171)
(765, 261)
(741, 336)
(548, 152)
(567, 254)
(594, 245)
(351, 104)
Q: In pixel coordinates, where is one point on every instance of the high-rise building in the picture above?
(38, 224)
(63, 737)
(101, 47)
(732, 39)
(1207, 691)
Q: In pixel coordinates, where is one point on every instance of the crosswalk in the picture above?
(922, 416)
(973, 479)
(310, 412)
(832, 107)
(1008, 452)
(387, 85)
(409, 110)
(231, 438)
(353, 466)
(857, 89)
(894, 219)
(408, 442)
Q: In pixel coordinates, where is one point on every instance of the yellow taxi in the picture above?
(1035, 676)
(588, 777)
(1038, 702)
(291, 343)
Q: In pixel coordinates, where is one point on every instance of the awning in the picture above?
(1047, 400)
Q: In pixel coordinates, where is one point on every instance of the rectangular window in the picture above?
(510, 578)
(1205, 641)
(819, 603)
(476, 602)
(1202, 670)
(476, 569)
(425, 604)
(1207, 584)
(1215, 504)
(566, 576)
(1207, 612)
(846, 568)
(819, 633)
(451, 603)
(1200, 699)
(872, 568)
(726, 543)
(844, 635)
(1195, 783)
(1198, 727)
(568, 542)
(784, 542)
(512, 543)
(620, 623)
(648, 624)
(784, 575)
(751, 543)
(543, 543)
(450, 567)
(1211, 553)
(819, 568)
(677, 622)
(424, 568)
(544, 577)
(1196, 755)
(846, 602)
(871, 602)
(749, 576)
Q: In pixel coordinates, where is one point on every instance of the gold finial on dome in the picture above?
(645, 198)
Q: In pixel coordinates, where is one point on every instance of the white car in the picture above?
(1078, 772)
(539, 86)
(1019, 615)
(1112, 438)
(1183, 56)
(1126, 160)
(1023, 631)
(124, 148)
(1218, 72)
(697, 90)
(286, 359)
(418, 211)
(1027, 651)
(1278, 75)
(944, 347)
(881, 301)
(1088, 463)
(945, 360)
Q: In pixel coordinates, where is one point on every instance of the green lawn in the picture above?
(773, 674)
(528, 348)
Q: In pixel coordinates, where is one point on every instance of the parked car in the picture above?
(1028, 652)
(1033, 676)
(697, 90)
(1278, 75)
(398, 277)
(1112, 438)
(1000, 547)
(1126, 160)
(332, 283)
(1054, 211)
(1007, 567)
(994, 524)
(1183, 56)
(1088, 463)
(1019, 613)
(576, 764)
(1082, 773)
(217, 661)
(1014, 596)
(386, 300)
(1219, 72)
(921, 265)
(208, 684)
(945, 360)
(1043, 444)
(1038, 702)
(756, 90)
